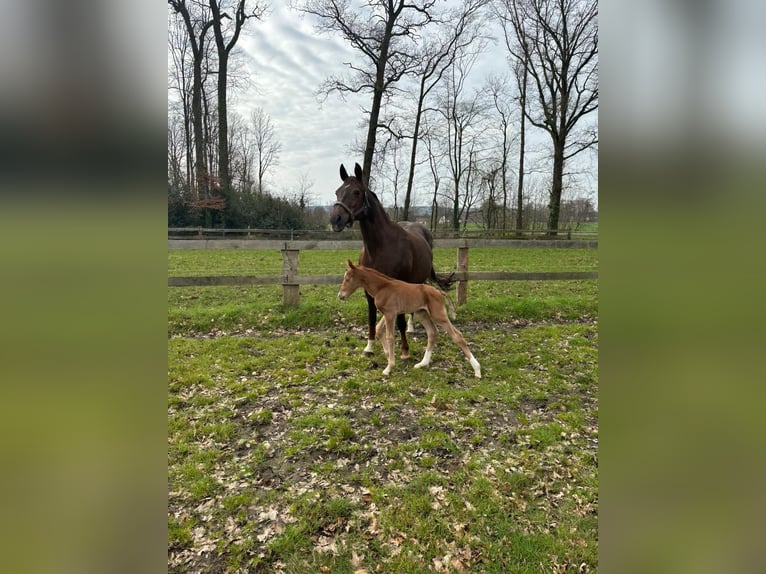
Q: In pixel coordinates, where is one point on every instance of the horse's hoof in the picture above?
(367, 353)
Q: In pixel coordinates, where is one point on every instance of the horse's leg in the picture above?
(401, 323)
(457, 336)
(411, 324)
(389, 343)
(372, 315)
(425, 318)
(380, 333)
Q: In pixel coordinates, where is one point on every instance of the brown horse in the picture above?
(399, 251)
(394, 297)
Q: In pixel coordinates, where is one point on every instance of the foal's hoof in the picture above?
(405, 356)
(367, 353)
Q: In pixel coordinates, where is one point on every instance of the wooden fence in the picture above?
(291, 280)
(566, 233)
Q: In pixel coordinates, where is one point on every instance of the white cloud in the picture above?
(289, 61)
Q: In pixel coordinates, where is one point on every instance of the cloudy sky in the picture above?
(288, 61)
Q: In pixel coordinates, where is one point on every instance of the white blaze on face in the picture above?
(342, 294)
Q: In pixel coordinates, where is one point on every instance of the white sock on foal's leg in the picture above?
(475, 365)
(426, 360)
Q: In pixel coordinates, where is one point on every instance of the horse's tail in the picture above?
(444, 282)
(450, 305)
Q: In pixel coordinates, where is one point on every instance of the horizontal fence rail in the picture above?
(240, 280)
(318, 234)
(291, 280)
(275, 244)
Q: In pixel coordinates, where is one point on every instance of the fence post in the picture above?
(290, 288)
(462, 267)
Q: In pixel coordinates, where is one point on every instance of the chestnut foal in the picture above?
(393, 297)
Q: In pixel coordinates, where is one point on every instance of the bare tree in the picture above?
(384, 33)
(197, 23)
(177, 182)
(520, 70)
(303, 191)
(489, 185)
(498, 91)
(461, 29)
(391, 156)
(180, 81)
(226, 31)
(242, 154)
(429, 135)
(267, 146)
(461, 115)
(557, 42)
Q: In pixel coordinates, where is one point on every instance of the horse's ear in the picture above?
(358, 171)
(343, 173)
(350, 265)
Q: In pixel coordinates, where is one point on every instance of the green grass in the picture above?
(289, 452)
(194, 310)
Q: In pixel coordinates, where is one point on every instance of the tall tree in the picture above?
(197, 23)
(521, 77)
(497, 87)
(461, 29)
(462, 115)
(384, 32)
(267, 146)
(557, 41)
(226, 30)
(180, 81)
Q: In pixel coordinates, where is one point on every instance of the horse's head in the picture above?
(351, 199)
(350, 281)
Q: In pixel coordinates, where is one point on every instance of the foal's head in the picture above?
(351, 199)
(351, 281)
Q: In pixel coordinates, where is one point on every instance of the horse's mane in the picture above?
(374, 272)
(378, 205)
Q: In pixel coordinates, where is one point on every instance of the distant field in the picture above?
(252, 262)
(289, 452)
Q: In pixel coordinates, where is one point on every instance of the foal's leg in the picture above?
(457, 336)
(389, 343)
(372, 315)
(411, 324)
(401, 324)
(380, 333)
(425, 318)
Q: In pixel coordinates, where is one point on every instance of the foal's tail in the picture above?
(450, 305)
(444, 282)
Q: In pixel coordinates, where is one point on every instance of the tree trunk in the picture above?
(554, 205)
(200, 169)
(413, 154)
(377, 95)
(372, 128)
(223, 123)
(522, 144)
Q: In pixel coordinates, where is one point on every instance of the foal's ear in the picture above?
(358, 171)
(350, 265)
(343, 173)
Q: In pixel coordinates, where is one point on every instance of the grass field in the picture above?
(289, 452)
